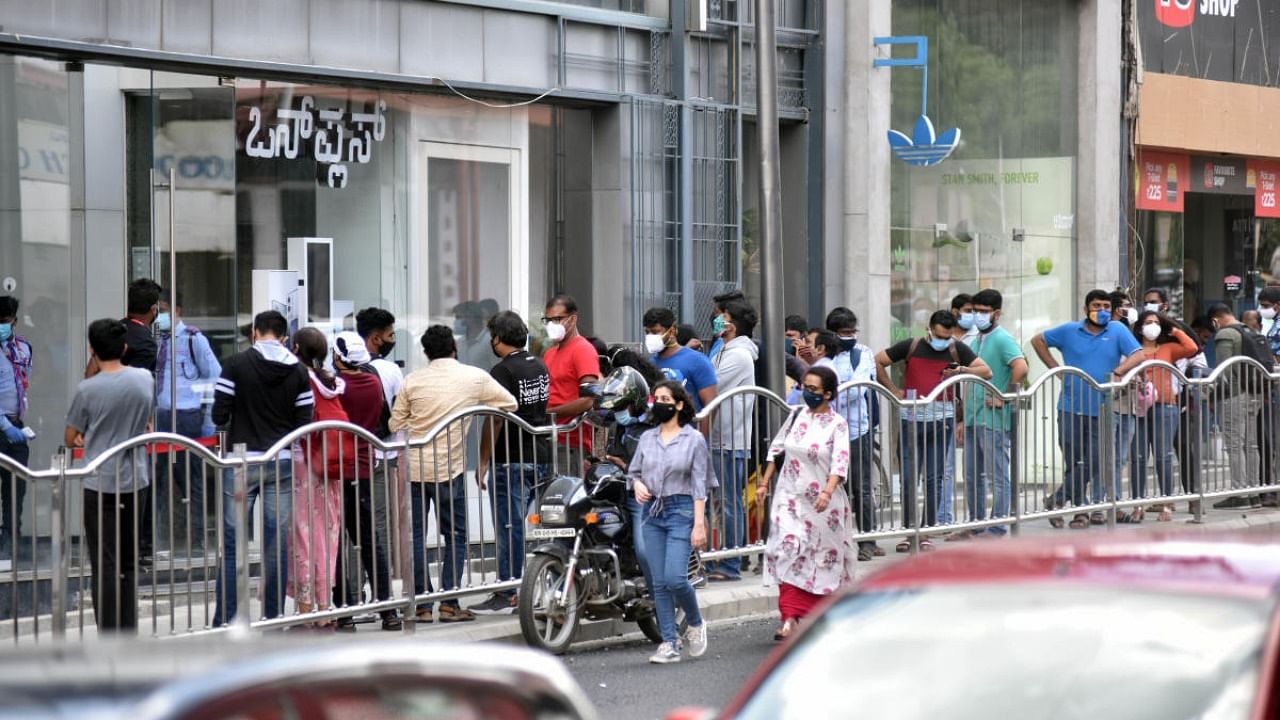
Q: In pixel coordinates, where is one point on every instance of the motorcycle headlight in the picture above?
(551, 514)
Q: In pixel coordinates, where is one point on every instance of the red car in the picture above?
(1102, 627)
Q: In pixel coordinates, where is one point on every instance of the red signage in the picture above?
(1176, 13)
(1264, 177)
(1163, 180)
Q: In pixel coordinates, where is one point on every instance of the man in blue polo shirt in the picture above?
(1099, 348)
(687, 367)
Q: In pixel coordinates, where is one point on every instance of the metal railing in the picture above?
(332, 522)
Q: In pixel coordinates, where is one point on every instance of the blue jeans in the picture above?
(1124, 427)
(1156, 431)
(637, 538)
(987, 454)
(274, 484)
(668, 524)
(451, 517)
(947, 493)
(731, 470)
(861, 477)
(923, 446)
(1080, 442)
(508, 498)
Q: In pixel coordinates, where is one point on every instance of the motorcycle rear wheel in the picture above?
(545, 623)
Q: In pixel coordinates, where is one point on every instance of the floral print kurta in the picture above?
(809, 549)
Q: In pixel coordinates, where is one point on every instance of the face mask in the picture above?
(1153, 307)
(813, 399)
(966, 320)
(982, 321)
(662, 412)
(459, 328)
(163, 322)
(847, 344)
(387, 347)
(1100, 317)
(1268, 313)
(717, 324)
(1131, 314)
(939, 344)
(623, 418)
(1151, 331)
(494, 347)
(654, 344)
(556, 332)
(791, 347)
(6, 331)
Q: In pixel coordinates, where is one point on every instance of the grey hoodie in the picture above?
(735, 367)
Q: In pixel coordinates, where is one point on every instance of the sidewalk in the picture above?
(720, 601)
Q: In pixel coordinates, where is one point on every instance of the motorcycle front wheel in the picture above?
(653, 632)
(545, 622)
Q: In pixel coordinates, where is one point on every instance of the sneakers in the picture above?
(455, 613)
(1232, 503)
(666, 654)
(696, 640)
(497, 604)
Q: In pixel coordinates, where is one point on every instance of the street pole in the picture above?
(770, 193)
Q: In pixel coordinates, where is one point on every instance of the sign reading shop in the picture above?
(331, 136)
(1223, 40)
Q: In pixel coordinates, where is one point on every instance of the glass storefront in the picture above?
(1000, 211)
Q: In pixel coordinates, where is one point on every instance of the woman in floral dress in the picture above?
(809, 551)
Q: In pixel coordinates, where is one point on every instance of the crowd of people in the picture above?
(688, 479)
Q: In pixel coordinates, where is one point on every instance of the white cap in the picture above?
(351, 349)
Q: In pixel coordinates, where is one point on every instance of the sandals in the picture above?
(905, 546)
(1166, 513)
(1079, 522)
(865, 554)
(1056, 523)
(1098, 518)
(784, 632)
(1132, 518)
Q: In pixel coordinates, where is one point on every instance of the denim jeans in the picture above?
(987, 456)
(923, 446)
(667, 527)
(187, 482)
(947, 493)
(1079, 440)
(1125, 428)
(727, 512)
(1156, 431)
(508, 498)
(451, 517)
(637, 539)
(360, 523)
(273, 483)
(13, 490)
(860, 483)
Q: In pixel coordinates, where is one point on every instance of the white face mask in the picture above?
(1153, 307)
(654, 344)
(1131, 314)
(1267, 313)
(555, 332)
(1151, 331)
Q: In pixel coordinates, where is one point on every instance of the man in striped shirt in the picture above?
(263, 394)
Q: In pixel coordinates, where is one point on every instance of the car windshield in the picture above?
(1046, 651)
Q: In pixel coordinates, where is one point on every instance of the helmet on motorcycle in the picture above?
(624, 389)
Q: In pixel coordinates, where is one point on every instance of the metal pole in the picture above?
(770, 192)
(173, 325)
(58, 559)
(240, 624)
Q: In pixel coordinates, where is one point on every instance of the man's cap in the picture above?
(351, 349)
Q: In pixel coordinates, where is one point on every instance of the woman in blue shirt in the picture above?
(670, 475)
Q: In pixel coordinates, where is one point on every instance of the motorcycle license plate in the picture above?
(552, 533)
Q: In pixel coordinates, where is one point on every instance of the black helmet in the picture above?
(624, 389)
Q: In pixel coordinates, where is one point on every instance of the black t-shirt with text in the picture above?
(140, 350)
(527, 379)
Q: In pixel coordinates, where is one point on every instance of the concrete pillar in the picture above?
(860, 244)
(1099, 227)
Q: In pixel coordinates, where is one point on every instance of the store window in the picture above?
(1000, 211)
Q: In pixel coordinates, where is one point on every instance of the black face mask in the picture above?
(387, 347)
(662, 412)
(494, 347)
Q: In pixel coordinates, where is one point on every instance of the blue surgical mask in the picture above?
(939, 344)
(1100, 317)
(623, 418)
(966, 320)
(791, 348)
(812, 399)
(163, 322)
(982, 321)
(459, 328)
(717, 324)
(6, 331)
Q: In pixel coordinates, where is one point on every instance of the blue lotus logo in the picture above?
(924, 147)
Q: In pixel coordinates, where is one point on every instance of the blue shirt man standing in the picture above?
(15, 374)
(688, 367)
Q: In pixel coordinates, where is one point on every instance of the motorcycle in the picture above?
(586, 568)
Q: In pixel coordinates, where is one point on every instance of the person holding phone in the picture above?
(928, 430)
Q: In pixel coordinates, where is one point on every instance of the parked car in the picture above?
(216, 678)
(1099, 627)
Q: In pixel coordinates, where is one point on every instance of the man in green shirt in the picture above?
(986, 419)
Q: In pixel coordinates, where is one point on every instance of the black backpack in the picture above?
(1255, 346)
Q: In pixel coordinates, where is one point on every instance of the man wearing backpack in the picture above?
(196, 366)
(1242, 400)
(928, 431)
(856, 362)
(366, 406)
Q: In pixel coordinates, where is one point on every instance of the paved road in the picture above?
(624, 686)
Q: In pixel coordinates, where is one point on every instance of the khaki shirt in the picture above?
(431, 394)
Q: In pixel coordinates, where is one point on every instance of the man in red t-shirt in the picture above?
(364, 402)
(572, 362)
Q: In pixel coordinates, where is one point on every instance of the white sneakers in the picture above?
(695, 641)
